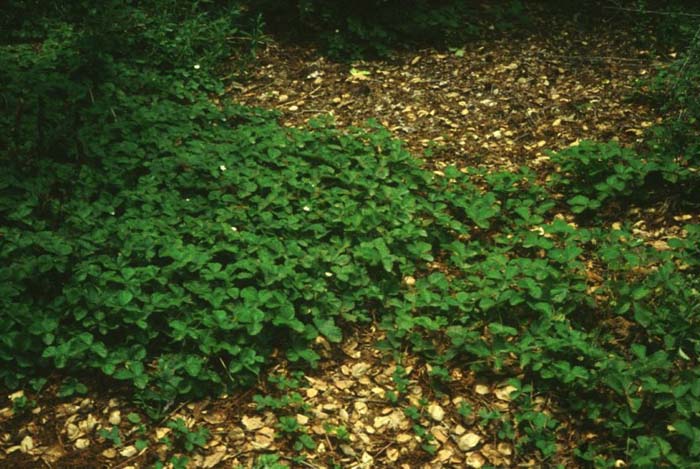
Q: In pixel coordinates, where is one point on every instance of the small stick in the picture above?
(595, 58)
(309, 94)
(654, 12)
(387, 446)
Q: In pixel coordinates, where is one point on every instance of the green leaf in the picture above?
(328, 328)
(500, 329)
(307, 441)
(639, 293)
(141, 444)
(193, 365)
(125, 297)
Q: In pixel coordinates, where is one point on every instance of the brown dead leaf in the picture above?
(109, 453)
(468, 441)
(214, 418)
(475, 460)
(27, 444)
(252, 423)
(436, 412)
(481, 389)
(214, 458)
(263, 438)
(505, 392)
(73, 431)
(82, 443)
(444, 455)
(128, 451)
(115, 417)
(359, 369)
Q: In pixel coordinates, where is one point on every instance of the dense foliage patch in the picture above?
(350, 30)
(152, 234)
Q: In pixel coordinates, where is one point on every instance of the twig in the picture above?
(366, 401)
(522, 136)
(694, 42)
(654, 12)
(128, 460)
(176, 409)
(303, 97)
(387, 446)
(300, 461)
(328, 440)
(242, 452)
(228, 373)
(319, 111)
(594, 58)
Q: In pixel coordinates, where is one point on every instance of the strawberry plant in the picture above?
(155, 235)
(592, 173)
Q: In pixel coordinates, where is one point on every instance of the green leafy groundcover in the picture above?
(175, 244)
(188, 254)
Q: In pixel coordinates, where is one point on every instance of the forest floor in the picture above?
(498, 103)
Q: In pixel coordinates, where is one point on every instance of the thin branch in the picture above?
(310, 94)
(300, 461)
(691, 50)
(598, 58)
(654, 12)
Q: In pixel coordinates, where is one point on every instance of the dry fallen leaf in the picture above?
(128, 451)
(264, 438)
(359, 369)
(468, 441)
(52, 454)
(660, 245)
(73, 431)
(252, 423)
(115, 417)
(82, 443)
(381, 421)
(475, 460)
(481, 389)
(505, 392)
(444, 455)
(504, 448)
(27, 444)
(436, 412)
(215, 418)
(347, 450)
(392, 454)
(214, 458)
(162, 432)
(89, 424)
(109, 453)
(439, 433)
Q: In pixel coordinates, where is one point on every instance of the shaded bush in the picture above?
(348, 30)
